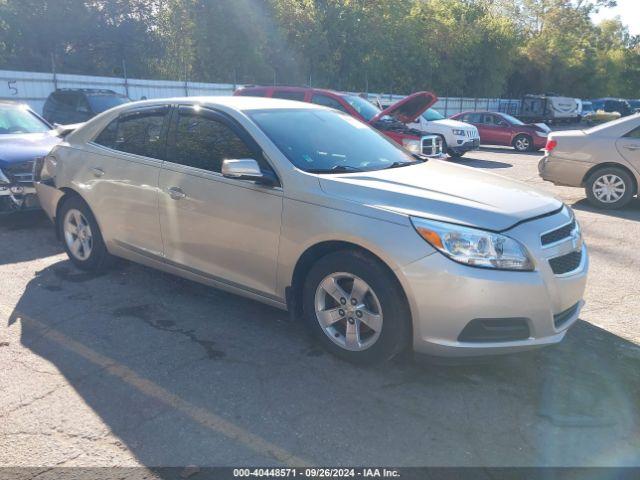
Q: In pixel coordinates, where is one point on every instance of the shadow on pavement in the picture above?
(480, 163)
(630, 212)
(34, 232)
(510, 151)
(184, 374)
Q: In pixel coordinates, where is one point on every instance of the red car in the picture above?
(502, 129)
(390, 121)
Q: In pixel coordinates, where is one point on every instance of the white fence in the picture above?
(34, 88)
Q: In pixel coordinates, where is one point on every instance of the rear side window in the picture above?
(635, 133)
(202, 142)
(327, 101)
(140, 133)
(288, 95)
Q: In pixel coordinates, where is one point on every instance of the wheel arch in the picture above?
(318, 250)
(621, 166)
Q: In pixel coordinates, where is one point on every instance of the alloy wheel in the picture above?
(348, 311)
(522, 144)
(609, 188)
(77, 234)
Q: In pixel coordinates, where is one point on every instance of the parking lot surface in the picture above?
(136, 367)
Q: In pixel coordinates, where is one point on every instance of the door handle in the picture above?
(97, 172)
(176, 193)
(632, 147)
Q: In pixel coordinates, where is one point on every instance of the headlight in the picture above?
(44, 168)
(412, 145)
(458, 132)
(3, 179)
(474, 247)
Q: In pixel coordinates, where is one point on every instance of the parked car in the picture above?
(635, 105)
(613, 105)
(550, 108)
(308, 209)
(605, 160)
(458, 137)
(24, 136)
(587, 112)
(502, 129)
(76, 105)
(390, 121)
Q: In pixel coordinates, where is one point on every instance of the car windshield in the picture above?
(432, 115)
(320, 141)
(17, 119)
(365, 108)
(587, 107)
(511, 120)
(100, 103)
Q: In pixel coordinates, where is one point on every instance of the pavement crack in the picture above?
(144, 312)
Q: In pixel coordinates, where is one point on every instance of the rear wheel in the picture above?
(81, 235)
(355, 308)
(609, 188)
(523, 143)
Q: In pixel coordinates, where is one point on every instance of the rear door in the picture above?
(222, 228)
(629, 147)
(122, 173)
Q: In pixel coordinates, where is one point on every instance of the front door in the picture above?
(222, 228)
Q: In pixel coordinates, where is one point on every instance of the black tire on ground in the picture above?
(615, 175)
(396, 317)
(454, 154)
(99, 259)
(523, 143)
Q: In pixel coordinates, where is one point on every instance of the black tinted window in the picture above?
(327, 102)
(299, 96)
(65, 100)
(635, 133)
(138, 133)
(204, 143)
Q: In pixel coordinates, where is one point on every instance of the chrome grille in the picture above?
(21, 173)
(431, 145)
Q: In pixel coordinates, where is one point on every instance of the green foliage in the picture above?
(453, 47)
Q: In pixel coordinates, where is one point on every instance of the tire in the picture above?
(453, 154)
(90, 252)
(610, 188)
(348, 269)
(523, 143)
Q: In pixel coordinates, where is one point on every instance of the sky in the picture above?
(629, 12)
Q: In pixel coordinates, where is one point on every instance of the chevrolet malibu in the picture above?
(308, 209)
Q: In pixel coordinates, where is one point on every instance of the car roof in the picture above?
(293, 88)
(237, 103)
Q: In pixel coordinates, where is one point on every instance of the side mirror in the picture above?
(246, 169)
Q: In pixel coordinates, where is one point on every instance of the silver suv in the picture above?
(308, 209)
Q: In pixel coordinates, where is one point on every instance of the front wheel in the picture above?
(609, 188)
(523, 143)
(356, 308)
(454, 154)
(81, 235)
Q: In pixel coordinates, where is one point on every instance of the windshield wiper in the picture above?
(400, 164)
(335, 169)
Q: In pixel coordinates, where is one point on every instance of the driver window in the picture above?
(203, 143)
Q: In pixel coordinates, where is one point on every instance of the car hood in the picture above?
(448, 122)
(24, 147)
(443, 191)
(409, 108)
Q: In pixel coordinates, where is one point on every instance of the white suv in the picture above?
(458, 137)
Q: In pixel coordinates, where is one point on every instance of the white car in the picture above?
(458, 137)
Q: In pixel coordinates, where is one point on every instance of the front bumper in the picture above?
(465, 146)
(445, 297)
(17, 198)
